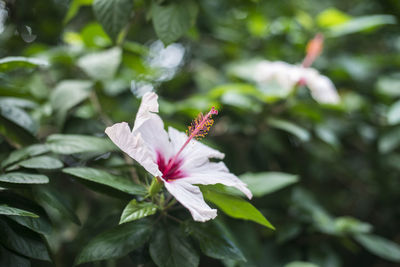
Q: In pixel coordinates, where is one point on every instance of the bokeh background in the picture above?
(336, 167)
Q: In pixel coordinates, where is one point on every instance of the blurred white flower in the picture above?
(288, 76)
(177, 160)
(3, 15)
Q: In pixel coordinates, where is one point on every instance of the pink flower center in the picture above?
(172, 172)
(199, 128)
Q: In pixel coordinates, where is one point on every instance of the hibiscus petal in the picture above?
(195, 153)
(216, 173)
(322, 88)
(134, 146)
(191, 198)
(151, 126)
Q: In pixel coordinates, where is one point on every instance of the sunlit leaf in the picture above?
(360, 24)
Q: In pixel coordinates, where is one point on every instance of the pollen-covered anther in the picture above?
(200, 126)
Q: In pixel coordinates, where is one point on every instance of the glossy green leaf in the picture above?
(20, 154)
(264, 183)
(52, 200)
(113, 15)
(40, 225)
(9, 258)
(101, 65)
(135, 211)
(6, 210)
(23, 178)
(170, 248)
(12, 63)
(116, 242)
(213, 242)
(173, 20)
(123, 184)
(23, 241)
(70, 144)
(236, 207)
(290, 127)
(380, 246)
(41, 162)
(19, 117)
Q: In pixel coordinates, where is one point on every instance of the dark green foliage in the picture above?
(326, 176)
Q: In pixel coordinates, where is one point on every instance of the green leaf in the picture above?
(40, 225)
(41, 162)
(71, 144)
(236, 207)
(380, 246)
(6, 210)
(19, 117)
(101, 65)
(389, 86)
(350, 225)
(361, 24)
(261, 184)
(173, 20)
(113, 15)
(389, 141)
(116, 242)
(332, 17)
(170, 248)
(8, 258)
(300, 264)
(17, 102)
(51, 199)
(23, 178)
(290, 127)
(74, 8)
(12, 63)
(213, 242)
(24, 242)
(68, 94)
(393, 115)
(23, 153)
(135, 211)
(102, 177)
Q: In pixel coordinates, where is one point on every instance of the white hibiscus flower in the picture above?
(177, 160)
